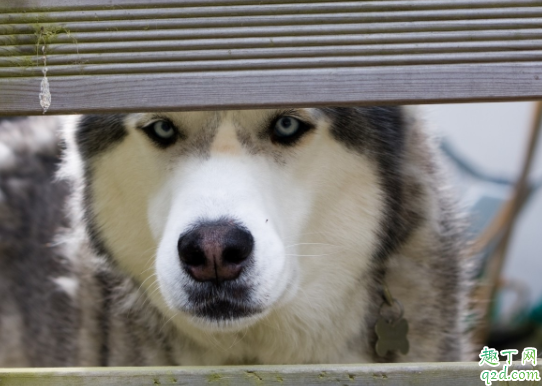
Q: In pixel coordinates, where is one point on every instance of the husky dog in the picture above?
(228, 237)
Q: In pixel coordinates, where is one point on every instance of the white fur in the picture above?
(7, 158)
(70, 285)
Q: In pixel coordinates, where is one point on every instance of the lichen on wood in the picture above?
(45, 34)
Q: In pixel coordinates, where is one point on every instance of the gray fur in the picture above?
(97, 133)
(31, 212)
(383, 133)
(112, 323)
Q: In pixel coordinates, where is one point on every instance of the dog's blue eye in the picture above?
(163, 129)
(287, 126)
(288, 130)
(162, 133)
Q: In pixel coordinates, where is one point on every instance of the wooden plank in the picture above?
(249, 64)
(460, 39)
(161, 56)
(168, 29)
(442, 374)
(150, 33)
(203, 54)
(272, 88)
(59, 5)
(304, 14)
(157, 32)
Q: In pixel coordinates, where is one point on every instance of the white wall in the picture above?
(493, 136)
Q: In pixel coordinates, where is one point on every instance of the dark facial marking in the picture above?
(229, 301)
(97, 133)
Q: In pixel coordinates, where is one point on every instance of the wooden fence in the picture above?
(438, 374)
(134, 55)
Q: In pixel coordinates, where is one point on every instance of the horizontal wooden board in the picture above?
(249, 64)
(471, 51)
(59, 5)
(273, 88)
(442, 374)
(487, 49)
(461, 40)
(198, 17)
(55, 34)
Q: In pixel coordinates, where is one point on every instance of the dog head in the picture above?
(223, 217)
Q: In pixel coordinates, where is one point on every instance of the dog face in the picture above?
(225, 217)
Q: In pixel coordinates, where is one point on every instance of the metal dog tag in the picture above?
(392, 336)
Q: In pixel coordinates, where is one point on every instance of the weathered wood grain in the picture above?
(351, 50)
(294, 14)
(55, 5)
(79, 41)
(271, 88)
(442, 374)
(461, 40)
(249, 64)
(173, 29)
(133, 55)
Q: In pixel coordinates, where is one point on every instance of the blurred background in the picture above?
(486, 144)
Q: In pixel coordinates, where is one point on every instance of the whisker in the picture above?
(295, 245)
(238, 339)
(165, 324)
(324, 254)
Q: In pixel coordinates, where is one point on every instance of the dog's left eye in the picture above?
(288, 130)
(286, 126)
(162, 132)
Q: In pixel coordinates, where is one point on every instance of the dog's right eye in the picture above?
(162, 132)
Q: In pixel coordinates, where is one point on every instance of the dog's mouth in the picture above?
(223, 310)
(224, 302)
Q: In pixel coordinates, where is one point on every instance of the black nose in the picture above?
(216, 251)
